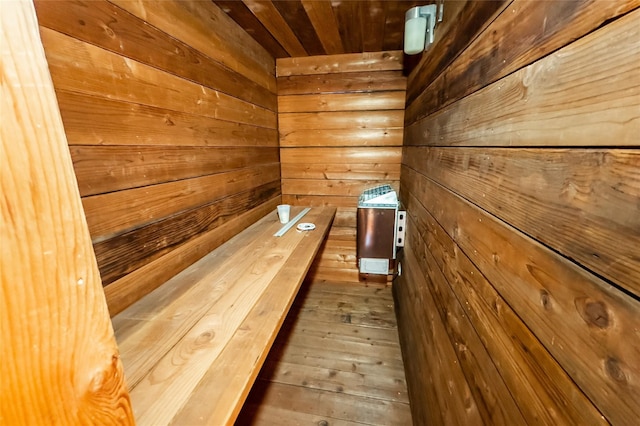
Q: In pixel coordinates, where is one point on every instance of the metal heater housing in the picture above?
(380, 231)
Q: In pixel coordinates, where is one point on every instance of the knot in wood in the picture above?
(545, 299)
(594, 313)
(205, 337)
(614, 369)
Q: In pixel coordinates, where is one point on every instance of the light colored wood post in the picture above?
(59, 360)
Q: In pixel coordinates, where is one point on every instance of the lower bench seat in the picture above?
(193, 347)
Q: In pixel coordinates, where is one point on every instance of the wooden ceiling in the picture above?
(294, 28)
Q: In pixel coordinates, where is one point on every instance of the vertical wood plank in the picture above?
(60, 361)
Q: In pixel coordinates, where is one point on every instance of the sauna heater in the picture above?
(381, 230)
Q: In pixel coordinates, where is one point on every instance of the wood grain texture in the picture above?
(169, 122)
(543, 391)
(321, 352)
(342, 137)
(354, 82)
(430, 359)
(89, 120)
(342, 102)
(102, 169)
(520, 173)
(269, 16)
(241, 14)
(348, 62)
(117, 212)
(350, 16)
(339, 134)
(495, 402)
(208, 29)
(81, 67)
(294, 11)
(108, 26)
(260, 329)
(552, 195)
(51, 304)
(483, 63)
(351, 171)
(321, 187)
(560, 302)
(340, 120)
(124, 253)
(209, 329)
(565, 99)
(462, 22)
(341, 155)
(324, 22)
(132, 287)
(344, 203)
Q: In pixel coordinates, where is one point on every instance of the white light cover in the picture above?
(415, 30)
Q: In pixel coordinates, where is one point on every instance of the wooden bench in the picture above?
(193, 347)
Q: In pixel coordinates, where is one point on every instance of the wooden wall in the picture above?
(340, 122)
(60, 363)
(170, 113)
(521, 175)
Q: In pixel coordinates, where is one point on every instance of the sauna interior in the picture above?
(146, 142)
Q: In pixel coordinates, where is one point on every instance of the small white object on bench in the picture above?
(192, 348)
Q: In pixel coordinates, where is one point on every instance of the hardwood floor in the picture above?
(336, 362)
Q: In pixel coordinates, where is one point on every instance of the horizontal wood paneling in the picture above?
(120, 211)
(340, 133)
(107, 25)
(130, 288)
(574, 189)
(339, 120)
(341, 155)
(520, 178)
(112, 168)
(486, 61)
(81, 67)
(542, 389)
(565, 99)
(90, 120)
(345, 187)
(342, 137)
(559, 301)
(357, 82)
(341, 102)
(352, 171)
(338, 64)
(162, 236)
(464, 20)
(208, 29)
(438, 390)
(172, 130)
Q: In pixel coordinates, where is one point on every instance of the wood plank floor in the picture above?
(336, 361)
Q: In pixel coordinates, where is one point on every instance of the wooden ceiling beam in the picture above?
(373, 27)
(250, 23)
(296, 16)
(270, 17)
(325, 24)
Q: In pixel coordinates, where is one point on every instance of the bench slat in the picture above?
(244, 355)
(194, 346)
